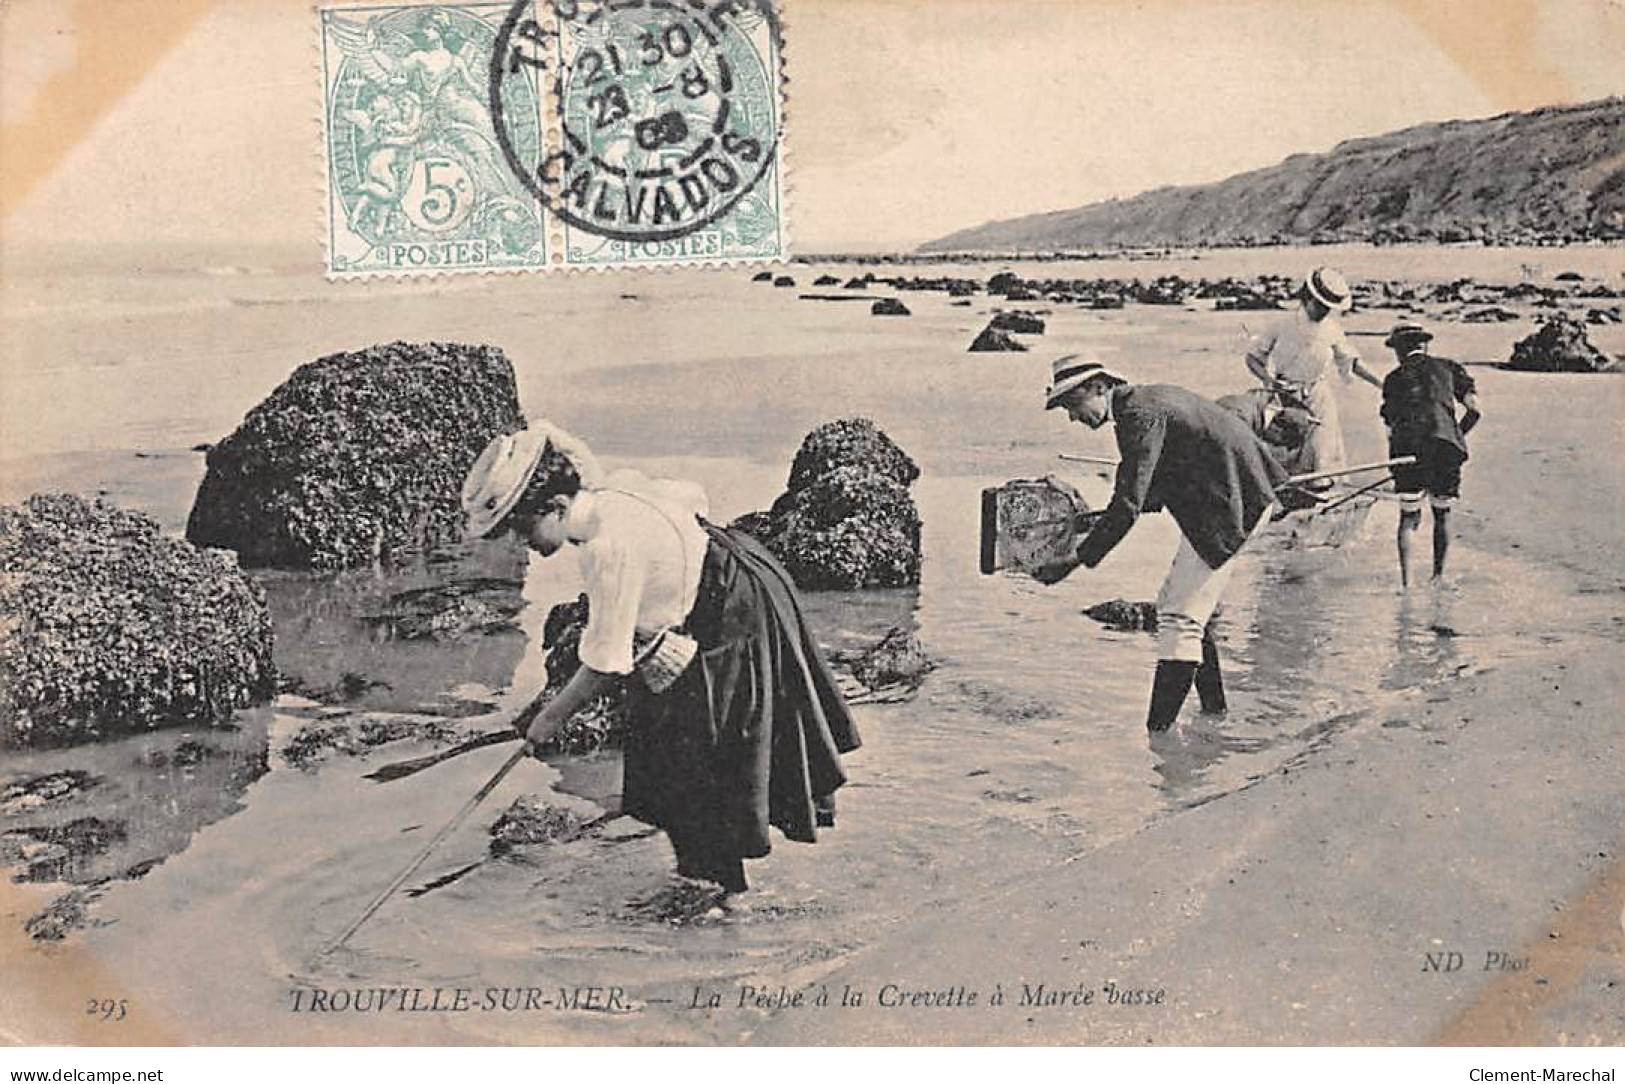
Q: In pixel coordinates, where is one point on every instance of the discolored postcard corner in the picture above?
(571, 134)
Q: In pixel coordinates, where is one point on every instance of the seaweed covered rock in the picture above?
(357, 458)
(1560, 345)
(992, 341)
(888, 306)
(1125, 616)
(603, 721)
(826, 280)
(358, 735)
(532, 819)
(108, 627)
(897, 659)
(762, 276)
(846, 519)
(850, 442)
(451, 611)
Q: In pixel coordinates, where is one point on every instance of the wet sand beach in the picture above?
(1401, 775)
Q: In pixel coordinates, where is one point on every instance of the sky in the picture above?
(187, 121)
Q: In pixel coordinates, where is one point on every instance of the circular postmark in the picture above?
(667, 111)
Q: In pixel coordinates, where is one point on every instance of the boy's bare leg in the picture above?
(1409, 520)
(1441, 539)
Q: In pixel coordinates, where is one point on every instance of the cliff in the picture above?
(1548, 176)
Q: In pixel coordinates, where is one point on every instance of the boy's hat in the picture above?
(1407, 333)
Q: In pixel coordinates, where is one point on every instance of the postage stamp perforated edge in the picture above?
(549, 253)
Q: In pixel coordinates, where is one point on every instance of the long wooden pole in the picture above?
(1347, 497)
(412, 867)
(1299, 479)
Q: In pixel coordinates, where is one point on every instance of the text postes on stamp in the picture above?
(417, 181)
(664, 123)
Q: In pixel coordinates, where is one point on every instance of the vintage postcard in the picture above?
(813, 523)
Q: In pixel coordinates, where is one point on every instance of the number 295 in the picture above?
(107, 1009)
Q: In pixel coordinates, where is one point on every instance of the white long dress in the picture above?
(1308, 353)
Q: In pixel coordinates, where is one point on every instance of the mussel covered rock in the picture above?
(846, 519)
(357, 458)
(109, 627)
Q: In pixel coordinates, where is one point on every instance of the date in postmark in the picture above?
(417, 181)
(664, 121)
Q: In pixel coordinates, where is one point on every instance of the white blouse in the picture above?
(1303, 350)
(642, 551)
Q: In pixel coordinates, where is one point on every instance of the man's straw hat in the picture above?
(1074, 371)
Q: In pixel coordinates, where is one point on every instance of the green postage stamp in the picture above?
(556, 134)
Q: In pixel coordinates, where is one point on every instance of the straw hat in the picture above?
(499, 476)
(1073, 371)
(1330, 289)
(1407, 333)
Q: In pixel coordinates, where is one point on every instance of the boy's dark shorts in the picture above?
(1436, 472)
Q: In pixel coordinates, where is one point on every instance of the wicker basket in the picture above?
(661, 660)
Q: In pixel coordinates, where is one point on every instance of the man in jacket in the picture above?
(1419, 407)
(1203, 464)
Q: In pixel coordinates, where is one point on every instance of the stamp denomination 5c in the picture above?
(417, 181)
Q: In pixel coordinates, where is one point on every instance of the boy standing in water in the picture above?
(1419, 407)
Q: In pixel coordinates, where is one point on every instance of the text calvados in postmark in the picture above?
(417, 181)
(537, 134)
(667, 115)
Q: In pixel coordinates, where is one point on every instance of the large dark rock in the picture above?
(888, 306)
(357, 458)
(993, 341)
(1560, 345)
(107, 626)
(1022, 323)
(846, 519)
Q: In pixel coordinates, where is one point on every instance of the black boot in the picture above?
(1209, 678)
(1168, 691)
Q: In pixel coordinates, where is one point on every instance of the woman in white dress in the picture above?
(749, 732)
(1302, 352)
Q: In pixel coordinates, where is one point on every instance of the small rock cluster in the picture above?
(1125, 616)
(532, 819)
(897, 659)
(846, 519)
(108, 627)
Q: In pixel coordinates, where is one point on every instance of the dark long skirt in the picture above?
(751, 734)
